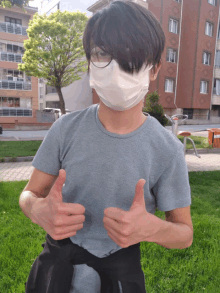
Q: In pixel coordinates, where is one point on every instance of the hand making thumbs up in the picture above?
(60, 220)
(127, 228)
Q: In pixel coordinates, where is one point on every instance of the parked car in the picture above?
(56, 111)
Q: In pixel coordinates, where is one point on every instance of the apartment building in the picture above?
(18, 91)
(189, 79)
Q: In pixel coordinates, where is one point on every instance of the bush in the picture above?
(155, 109)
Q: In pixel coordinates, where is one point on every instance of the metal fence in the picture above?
(45, 117)
(13, 28)
(15, 85)
(15, 112)
(11, 57)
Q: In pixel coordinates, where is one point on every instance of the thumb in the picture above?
(58, 185)
(139, 195)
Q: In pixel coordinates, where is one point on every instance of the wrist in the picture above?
(26, 202)
(35, 206)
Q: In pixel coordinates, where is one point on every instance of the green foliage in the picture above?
(54, 49)
(10, 3)
(154, 108)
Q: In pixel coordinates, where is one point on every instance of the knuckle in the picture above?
(56, 232)
(124, 219)
(56, 222)
(123, 242)
(125, 232)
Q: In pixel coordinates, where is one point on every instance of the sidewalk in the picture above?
(22, 170)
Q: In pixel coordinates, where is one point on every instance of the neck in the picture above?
(121, 122)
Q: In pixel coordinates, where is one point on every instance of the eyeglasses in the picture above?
(99, 58)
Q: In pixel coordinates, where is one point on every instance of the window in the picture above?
(213, 2)
(219, 30)
(208, 29)
(9, 102)
(177, 1)
(3, 46)
(216, 88)
(173, 25)
(171, 55)
(14, 79)
(188, 112)
(13, 20)
(50, 89)
(41, 92)
(11, 74)
(11, 51)
(206, 58)
(204, 87)
(10, 106)
(217, 59)
(169, 85)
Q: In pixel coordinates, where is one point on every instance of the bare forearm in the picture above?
(172, 235)
(26, 201)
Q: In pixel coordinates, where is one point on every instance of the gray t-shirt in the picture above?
(102, 170)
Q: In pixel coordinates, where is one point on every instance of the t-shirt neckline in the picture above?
(102, 128)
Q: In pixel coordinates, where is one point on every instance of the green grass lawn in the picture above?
(29, 148)
(195, 269)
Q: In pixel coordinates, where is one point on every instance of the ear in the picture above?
(157, 69)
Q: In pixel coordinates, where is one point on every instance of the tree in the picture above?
(10, 3)
(54, 43)
(155, 109)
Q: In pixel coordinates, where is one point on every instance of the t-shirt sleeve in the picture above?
(47, 158)
(172, 189)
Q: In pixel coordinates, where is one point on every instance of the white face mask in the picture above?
(117, 89)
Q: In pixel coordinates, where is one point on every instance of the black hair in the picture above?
(122, 25)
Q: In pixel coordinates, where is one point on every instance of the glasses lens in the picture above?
(99, 58)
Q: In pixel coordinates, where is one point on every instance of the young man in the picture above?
(120, 164)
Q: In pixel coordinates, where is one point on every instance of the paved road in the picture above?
(198, 130)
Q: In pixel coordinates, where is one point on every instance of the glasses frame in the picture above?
(94, 64)
(103, 66)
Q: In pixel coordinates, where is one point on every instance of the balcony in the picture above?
(15, 85)
(13, 28)
(50, 89)
(11, 57)
(15, 112)
(217, 71)
(215, 99)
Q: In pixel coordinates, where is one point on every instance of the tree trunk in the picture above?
(61, 100)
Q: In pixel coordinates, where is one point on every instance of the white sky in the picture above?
(82, 5)
(35, 3)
